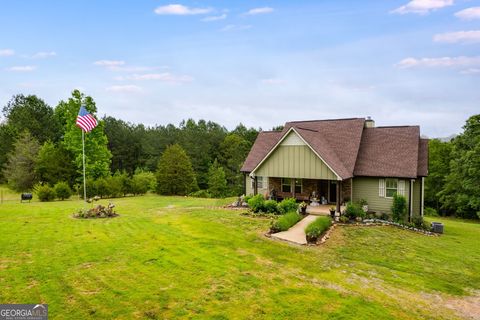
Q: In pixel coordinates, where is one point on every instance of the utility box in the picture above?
(437, 227)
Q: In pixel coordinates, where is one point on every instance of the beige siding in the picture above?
(293, 161)
(367, 188)
(249, 186)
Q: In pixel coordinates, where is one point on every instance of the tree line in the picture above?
(42, 145)
(453, 184)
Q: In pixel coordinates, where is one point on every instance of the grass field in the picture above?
(174, 257)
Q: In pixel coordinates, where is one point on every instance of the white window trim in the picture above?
(284, 184)
(260, 182)
(390, 188)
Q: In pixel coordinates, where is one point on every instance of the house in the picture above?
(338, 161)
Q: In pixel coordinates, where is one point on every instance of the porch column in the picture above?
(422, 195)
(338, 195)
(255, 186)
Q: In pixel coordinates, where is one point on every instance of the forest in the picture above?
(41, 146)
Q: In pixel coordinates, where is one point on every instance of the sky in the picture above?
(261, 63)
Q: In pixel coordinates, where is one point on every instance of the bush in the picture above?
(143, 181)
(45, 192)
(98, 212)
(354, 210)
(431, 212)
(315, 229)
(200, 194)
(62, 190)
(246, 198)
(343, 219)
(101, 187)
(115, 186)
(285, 222)
(399, 208)
(287, 205)
(256, 203)
(270, 206)
(419, 223)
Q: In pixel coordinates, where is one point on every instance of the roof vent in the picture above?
(369, 122)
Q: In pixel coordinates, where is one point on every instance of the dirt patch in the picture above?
(467, 307)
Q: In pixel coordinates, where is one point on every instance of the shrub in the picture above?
(419, 223)
(62, 190)
(399, 208)
(343, 219)
(200, 194)
(315, 229)
(284, 222)
(270, 206)
(45, 192)
(115, 186)
(246, 198)
(101, 187)
(143, 181)
(431, 212)
(98, 211)
(354, 210)
(287, 205)
(256, 203)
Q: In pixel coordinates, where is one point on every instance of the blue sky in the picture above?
(257, 62)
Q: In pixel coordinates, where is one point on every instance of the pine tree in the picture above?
(175, 174)
(19, 170)
(217, 184)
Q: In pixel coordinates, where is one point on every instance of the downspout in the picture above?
(422, 200)
(411, 200)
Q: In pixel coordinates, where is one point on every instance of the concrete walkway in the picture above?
(296, 234)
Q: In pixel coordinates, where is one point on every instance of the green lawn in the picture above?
(175, 257)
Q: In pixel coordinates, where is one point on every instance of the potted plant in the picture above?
(332, 212)
(303, 207)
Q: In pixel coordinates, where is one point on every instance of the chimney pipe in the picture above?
(369, 122)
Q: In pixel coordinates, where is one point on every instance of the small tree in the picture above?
(217, 184)
(45, 192)
(62, 190)
(175, 174)
(19, 170)
(399, 208)
(143, 181)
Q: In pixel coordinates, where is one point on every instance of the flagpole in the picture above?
(84, 181)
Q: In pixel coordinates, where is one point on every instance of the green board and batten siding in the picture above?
(290, 161)
(367, 188)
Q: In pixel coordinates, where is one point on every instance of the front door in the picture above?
(332, 194)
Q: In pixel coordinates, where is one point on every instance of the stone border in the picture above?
(325, 237)
(379, 222)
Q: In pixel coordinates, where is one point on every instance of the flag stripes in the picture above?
(85, 120)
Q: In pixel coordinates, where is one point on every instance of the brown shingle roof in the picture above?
(422, 170)
(352, 150)
(389, 152)
(265, 141)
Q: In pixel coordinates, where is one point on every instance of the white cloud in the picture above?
(22, 68)
(129, 88)
(261, 10)
(234, 27)
(43, 55)
(6, 52)
(459, 36)
(469, 13)
(471, 71)
(164, 77)
(109, 63)
(215, 18)
(180, 10)
(422, 6)
(445, 62)
(273, 81)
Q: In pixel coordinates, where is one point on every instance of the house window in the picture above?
(391, 186)
(298, 185)
(286, 185)
(260, 182)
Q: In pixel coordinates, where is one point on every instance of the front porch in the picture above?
(320, 194)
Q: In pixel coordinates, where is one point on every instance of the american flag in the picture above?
(85, 120)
